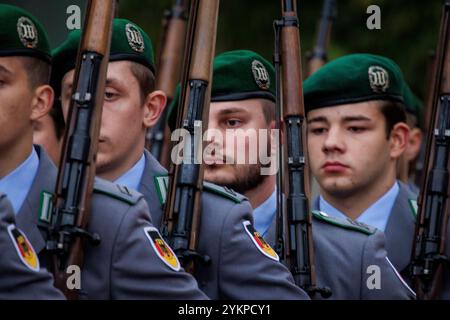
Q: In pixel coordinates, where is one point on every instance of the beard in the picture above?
(244, 178)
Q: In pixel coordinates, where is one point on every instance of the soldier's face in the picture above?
(349, 151)
(16, 100)
(122, 131)
(239, 118)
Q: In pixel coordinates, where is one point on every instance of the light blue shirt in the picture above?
(377, 215)
(264, 214)
(17, 183)
(132, 178)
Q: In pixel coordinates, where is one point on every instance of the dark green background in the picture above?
(409, 28)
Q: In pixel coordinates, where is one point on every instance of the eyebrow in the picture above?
(231, 110)
(5, 70)
(345, 119)
(112, 81)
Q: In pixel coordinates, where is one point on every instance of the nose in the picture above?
(334, 141)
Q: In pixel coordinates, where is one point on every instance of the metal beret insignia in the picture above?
(27, 32)
(378, 79)
(134, 37)
(260, 75)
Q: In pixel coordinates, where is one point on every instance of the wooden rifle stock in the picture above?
(428, 260)
(300, 248)
(72, 198)
(183, 208)
(167, 77)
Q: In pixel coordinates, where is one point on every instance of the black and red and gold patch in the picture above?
(23, 247)
(259, 241)
(163, 251)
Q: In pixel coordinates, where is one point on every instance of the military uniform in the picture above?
(358, 247)
(244, 271)
(362, 246)
(239, 269)
(21, 275)
(132, 261)
(365, 77)
(125, 265)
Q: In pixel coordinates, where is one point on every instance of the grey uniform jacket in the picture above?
(20, 279)
(344, 255)
(125, 264)
(399, 233)
(238, 269)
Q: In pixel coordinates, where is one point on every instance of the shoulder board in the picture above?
(116, 191)
(344, 223)
(224, 192)
(413, 206)
(161, 186)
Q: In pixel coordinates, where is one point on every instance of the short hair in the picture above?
(393, 112)
(38, 71)
(268, 108)
(145, 78)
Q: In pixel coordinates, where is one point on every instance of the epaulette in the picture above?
(162, 185)
(116, 191)
(224, 192)
(413, 206)
(344, 223)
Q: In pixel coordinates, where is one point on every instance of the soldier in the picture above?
(238, 268)
(244, 99)
(22, 278)
(127, 263)
(357, 132)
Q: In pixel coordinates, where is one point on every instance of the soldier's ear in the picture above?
(42, 102)
(154, 104)
(398, 139)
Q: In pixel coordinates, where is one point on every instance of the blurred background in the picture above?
(409, 28)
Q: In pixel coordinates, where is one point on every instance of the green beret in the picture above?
(128, 42)
(413, 105)
(237, 75)
(354, 78)
(21, 34)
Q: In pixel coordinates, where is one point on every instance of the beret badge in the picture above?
(134, 37)
(260, 75)
(378, 79)
(27, 32)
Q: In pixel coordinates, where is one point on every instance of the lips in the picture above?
(334, 167)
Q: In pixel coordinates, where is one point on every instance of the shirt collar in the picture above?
(132, 178)
(377, 215)
(264, 213)
(17, 183)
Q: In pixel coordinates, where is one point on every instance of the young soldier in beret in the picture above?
(238, 269)
(243, 98)
(125, 264)
(22, 278)
(357, 132)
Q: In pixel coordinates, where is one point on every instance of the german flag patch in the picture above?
(163, 251)
(259, 242)
(23, 247)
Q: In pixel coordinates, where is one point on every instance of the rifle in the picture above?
(318, 57)
(183, 208)
(72, 198)
(300, 251)
(428, 260)
(169, 69)
(429, 91)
